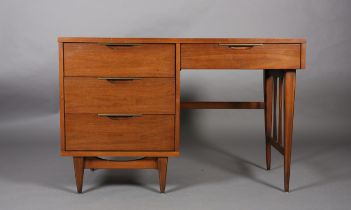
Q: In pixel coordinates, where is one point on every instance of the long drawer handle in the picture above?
(119, 78)
(120, 44)
(116, 116)
(240, 46)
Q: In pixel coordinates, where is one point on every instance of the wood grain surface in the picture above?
(143, 96)
(144, 133)
(146, 60)
(215, 56)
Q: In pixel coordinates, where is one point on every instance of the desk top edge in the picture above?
(182, 40)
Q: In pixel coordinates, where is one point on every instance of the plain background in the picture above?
(222, 150)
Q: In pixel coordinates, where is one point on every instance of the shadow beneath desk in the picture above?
(220, 163)
(118, 178)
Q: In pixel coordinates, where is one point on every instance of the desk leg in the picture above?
(289, 99)
(283, 81)
(162, 172)
(78, 163)
(268, 89)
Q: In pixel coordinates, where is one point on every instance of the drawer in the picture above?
(240, 56)
(119, 95)
(95, 59)
(140, 133)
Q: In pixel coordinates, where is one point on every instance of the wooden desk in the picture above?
(121, 96)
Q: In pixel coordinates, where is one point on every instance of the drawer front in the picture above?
(141, 133)
(240, 56)
(137, 95)
(144, 60)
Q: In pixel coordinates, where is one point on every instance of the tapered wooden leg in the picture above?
(162, 172)
(289, 99)
(78, 163)
(280, 120)
(268, 96)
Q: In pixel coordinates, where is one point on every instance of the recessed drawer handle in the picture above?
(240, 46)
(120, 45)
(117, 116)
(119, 78)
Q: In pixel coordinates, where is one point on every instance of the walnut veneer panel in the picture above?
(140, 96)
(145, 60)
(216, 56)
(143, 133)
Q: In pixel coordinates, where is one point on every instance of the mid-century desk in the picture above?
(121, 96)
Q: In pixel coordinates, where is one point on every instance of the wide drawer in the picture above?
(119, 95)
(142, 60)
(101, 133)
(240, 56)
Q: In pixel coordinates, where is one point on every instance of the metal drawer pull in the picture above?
(116, 116)
(121, 44)
(119, 78)
(240, 46)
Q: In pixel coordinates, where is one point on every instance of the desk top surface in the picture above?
(184, 40)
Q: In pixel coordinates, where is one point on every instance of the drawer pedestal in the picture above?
(119, 99)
